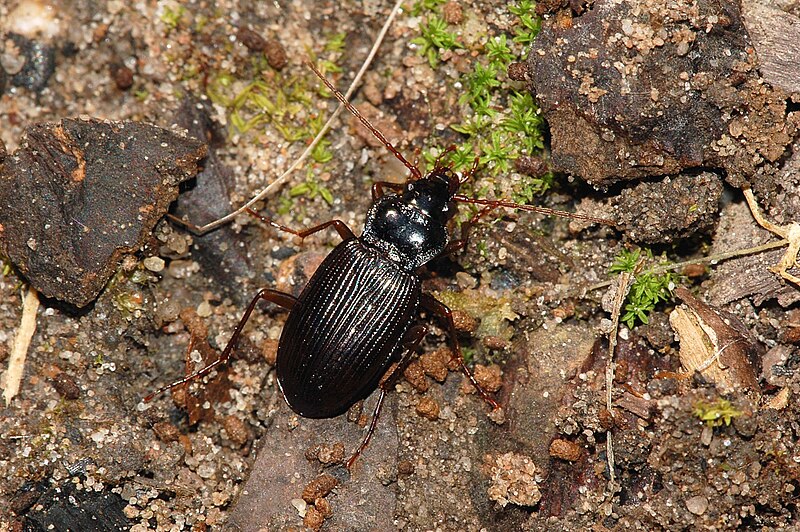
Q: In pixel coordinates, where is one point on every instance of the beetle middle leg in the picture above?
(412, 339)
(339, 225)
(281, 299)
(441, 310)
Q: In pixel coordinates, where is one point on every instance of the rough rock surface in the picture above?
(81, 193)
(635, 89)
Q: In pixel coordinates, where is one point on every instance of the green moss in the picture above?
(434, 38)
(172, 17)
(648, 289)
(720, 412)
(495, 315)
(500, 120)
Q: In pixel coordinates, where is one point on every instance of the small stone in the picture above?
(66, 386)
(495, 343)
(122, 76)
(435, 364)
(276, 54)
(518, 71)
(269, 350)
(565, 450)
(166, 432)
(204, 309)
(405, 467)
(331, 454)
(313, 518)
(428, 408)
(324, 507)
(301, 506)
(237, 429)
(415, 376)
(154, 264)
(532, 166)
(489, 377)
(497, 416)
(452, 12)
(464, 322)
(168, 311)
(606, 419)
(319, 487)
(697, 504)
(251, 39)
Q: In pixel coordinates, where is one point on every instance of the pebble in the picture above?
(154, 264)
(697, 504)
(204, 309)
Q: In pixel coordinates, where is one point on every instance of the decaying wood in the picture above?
(775, 35)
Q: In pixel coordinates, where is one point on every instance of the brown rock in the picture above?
(435, 364)
(452, 12)
(415, 376)
(237, 429)
(66, 386)
(617, 83)
(428, 408)
(565, 450)
(276, 54)
(107, 185)
(319, 487)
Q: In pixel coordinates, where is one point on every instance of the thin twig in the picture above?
(625, 280)
(16, 363)
(272, 187)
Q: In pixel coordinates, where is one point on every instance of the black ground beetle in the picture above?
(352, 329)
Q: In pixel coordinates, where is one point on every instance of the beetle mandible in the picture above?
(353, 325)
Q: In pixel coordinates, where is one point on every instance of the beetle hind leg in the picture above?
(281, 299)
(443, 311)
(412, 339)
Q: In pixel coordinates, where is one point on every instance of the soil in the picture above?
(81, 450)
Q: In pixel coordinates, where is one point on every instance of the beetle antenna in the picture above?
(378, 135)
(495, 204)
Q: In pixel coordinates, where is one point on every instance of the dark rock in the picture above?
(669, 210)
(643, 89)
(80, 194)
(281, 473)
(206, 199)
(67, 507)
(3, 80)
(66, 386)
(40, 63)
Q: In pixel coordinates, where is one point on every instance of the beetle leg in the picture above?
(378, 186)
(442, 311)
(458, 245)
(281, 299)
(339, 225)
(411, 340)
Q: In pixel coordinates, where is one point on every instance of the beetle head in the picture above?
(432, 195)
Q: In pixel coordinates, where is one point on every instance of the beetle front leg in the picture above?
(378, 186)
(411, 341)
(281, 299)
(441, 310)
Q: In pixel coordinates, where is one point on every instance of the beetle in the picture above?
(352, 328)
